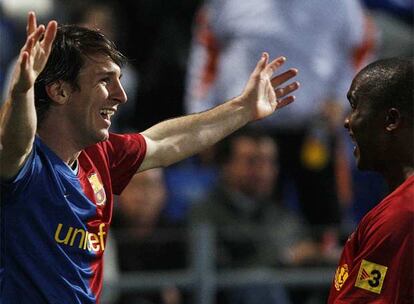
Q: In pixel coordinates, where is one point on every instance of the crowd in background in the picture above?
(281, 193)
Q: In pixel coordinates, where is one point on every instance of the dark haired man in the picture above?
(60, 165)
(252, 228)
(377, 263)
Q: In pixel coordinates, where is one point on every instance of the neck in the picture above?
(396, 176)
(61, 144)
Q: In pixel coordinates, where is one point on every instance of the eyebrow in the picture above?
(109, 73)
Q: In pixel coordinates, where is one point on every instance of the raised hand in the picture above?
(263, 93)
(33, 55)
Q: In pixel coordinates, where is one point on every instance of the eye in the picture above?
(105, 80)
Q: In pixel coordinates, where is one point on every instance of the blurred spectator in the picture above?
(143, 242)
(253, 229)
(188, 182)
(319, 37)
(110, 292)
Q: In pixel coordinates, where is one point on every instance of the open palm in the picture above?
(33, 55)
(263, 92)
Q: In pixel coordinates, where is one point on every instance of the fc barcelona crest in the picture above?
(98, 189)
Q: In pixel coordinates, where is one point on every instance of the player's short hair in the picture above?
(389, 83)
(225, 148)
(72, 45)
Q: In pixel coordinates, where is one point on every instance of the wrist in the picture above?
(242, 109)
(16, 94)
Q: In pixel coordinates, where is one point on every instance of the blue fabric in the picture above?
(403, 9)
(34, 266)
(187, 182)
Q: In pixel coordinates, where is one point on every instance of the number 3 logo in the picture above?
(371, 276)
(376, 277)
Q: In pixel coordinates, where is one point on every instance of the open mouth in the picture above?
(107, 113)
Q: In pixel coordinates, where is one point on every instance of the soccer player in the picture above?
(377, 262)
(60, 166)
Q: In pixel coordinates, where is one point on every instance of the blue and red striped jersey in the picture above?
(54, 222)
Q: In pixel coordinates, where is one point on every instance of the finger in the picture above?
(274, 65)
(261, 64)
(31, 23)
(279, 79)
(32, 39)
(50, 35)
(28, 45)
(285, 101)
(23, 62)
(281, 92)
(38, 33)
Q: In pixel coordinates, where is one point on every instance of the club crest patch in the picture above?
(340, 276)
(371, 276)
(98, 189)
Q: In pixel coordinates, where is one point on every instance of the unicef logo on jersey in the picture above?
(98, 189)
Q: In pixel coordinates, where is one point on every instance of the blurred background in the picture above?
(262, 216)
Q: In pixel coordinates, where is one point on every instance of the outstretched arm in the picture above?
(18, 115)
(173, 140)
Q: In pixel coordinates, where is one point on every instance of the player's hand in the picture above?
(264, 94)
(33, 55)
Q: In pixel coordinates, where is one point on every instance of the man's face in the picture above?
(252, 168)
(144, 198)
(91, 107)
(365, 126)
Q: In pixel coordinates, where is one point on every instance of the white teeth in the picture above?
(107, 112)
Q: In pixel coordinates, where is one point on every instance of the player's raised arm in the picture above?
(18, 115)
(173, 140)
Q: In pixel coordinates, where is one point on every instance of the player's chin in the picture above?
(102, 135)
(364, 165)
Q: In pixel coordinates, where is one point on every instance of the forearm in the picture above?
(18, 116)
(176, 139)
(182, 137)
(18, 129)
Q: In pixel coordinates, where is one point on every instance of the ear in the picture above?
(59, 91)
(393, 119)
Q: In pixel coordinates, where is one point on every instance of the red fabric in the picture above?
(385, 237)
(206, 37)
(105, 169)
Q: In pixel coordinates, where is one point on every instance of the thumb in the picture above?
(261, 64)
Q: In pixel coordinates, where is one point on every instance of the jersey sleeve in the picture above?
(382, 269)
(18, 183)
(125, 153)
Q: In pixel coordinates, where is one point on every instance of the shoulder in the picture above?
(212, 207)
(390, 220)
(118, 144)
(399, 205)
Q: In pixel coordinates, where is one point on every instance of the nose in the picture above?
(119, 94)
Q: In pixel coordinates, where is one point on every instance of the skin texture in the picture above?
(78, 111)
(381, 129)
(252, 167)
